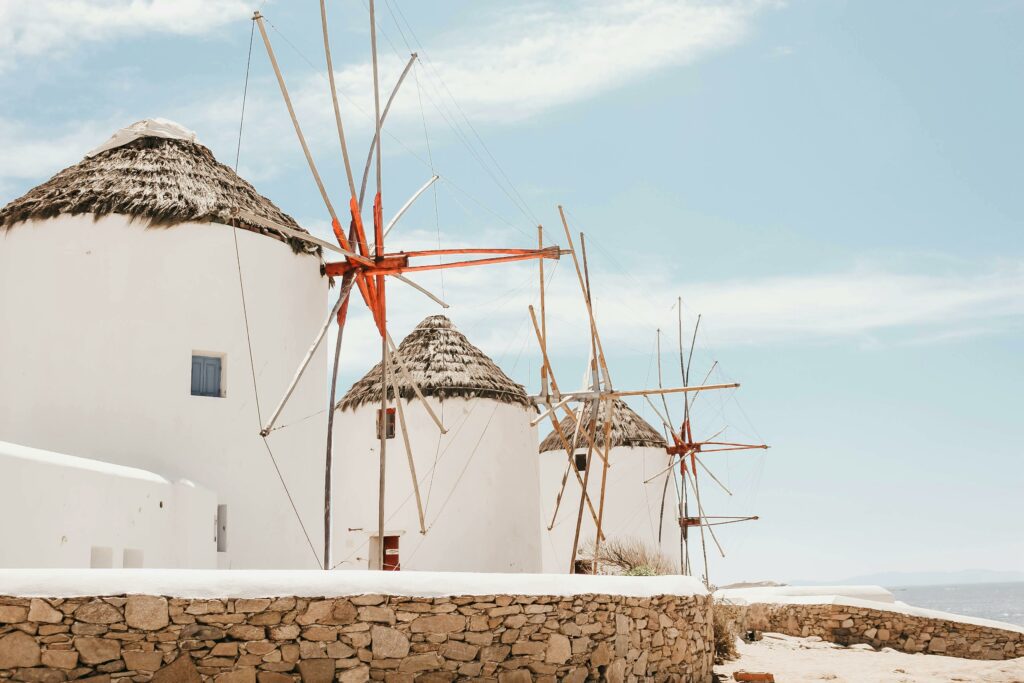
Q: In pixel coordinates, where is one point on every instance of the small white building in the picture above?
(633, 509)
(78, 512)
(478, 482)
(125, 340)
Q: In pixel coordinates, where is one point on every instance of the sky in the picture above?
(834, 187)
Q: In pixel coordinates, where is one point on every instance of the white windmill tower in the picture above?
(462, 500)
(125, 338)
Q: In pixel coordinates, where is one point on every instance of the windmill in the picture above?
(685, 451)
(367, 266)
(594, 404)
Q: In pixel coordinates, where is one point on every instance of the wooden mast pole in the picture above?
(381, 307)
(595, 412)
(343, 313)
(684, 512)
(543, 319)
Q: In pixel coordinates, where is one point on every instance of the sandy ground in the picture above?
(809, 659)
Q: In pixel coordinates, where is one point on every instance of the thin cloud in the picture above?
(56, 27)
(866, 303)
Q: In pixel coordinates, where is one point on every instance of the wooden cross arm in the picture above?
(395, 264)
(682, 448)
(674, 390)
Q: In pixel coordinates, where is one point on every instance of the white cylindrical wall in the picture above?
(632, 509)
(100, 321)
(478, 483)
(77, 512)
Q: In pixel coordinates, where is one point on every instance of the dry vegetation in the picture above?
(628, 557)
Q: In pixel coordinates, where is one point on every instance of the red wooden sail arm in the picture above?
(396, 264)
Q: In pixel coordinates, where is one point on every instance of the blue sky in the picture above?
(834, 186)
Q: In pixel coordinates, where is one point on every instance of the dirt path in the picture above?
(809, 659)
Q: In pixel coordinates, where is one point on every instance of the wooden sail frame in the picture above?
(367, 267)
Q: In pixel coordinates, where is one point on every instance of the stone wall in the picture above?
(849, 625)
(500, 638)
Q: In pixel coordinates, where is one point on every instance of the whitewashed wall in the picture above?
(99, 323)
(64, 511)
(478, 483)
(631, 509)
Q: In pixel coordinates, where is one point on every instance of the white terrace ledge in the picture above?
(815, 596)
(259, 583)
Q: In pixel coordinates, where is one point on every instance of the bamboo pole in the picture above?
(583, 288)
(415, 387)
(408, 453)
(381, 119)
(329, 458)
(382, 424)
(306, 360)
(609, 418)
(543, 317)
(586, 478)
(408, 203)
(258, 18)
(673, 390)
(557, 427)
(334, 99)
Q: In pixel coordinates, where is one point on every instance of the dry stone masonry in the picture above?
(499, 638)
(849, 625)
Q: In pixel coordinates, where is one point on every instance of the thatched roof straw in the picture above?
(628, 429)
(162, 181)
(444, 364)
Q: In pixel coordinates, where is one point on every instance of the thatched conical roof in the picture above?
(444, 364)
(628, 429)
(153, 170)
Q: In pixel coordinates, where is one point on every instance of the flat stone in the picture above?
(98, 612)
(12, 614)
(384, 615)
(18, 649)
(60, 659)
(423, 662)
(274, 677)
(202, 632)
(559, 649)
(97, 650)
(439, 623)
(247, 632)
(181, 670)
(40, 611)
(458, 651)
(146, 612)
(251, 604)
(360, 674)
(246, 675)
(339, 650)
(40, 676)
(143, 661)
(495, 653)
(317, 670)
(517, 676)
(388, 643)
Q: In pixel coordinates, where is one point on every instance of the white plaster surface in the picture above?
(478, 484)
(632, 509)
(56, 508)
(271, 583)
(100, 321)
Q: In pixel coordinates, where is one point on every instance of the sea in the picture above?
(998, 601)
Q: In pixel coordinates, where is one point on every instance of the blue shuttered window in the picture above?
(205, 376)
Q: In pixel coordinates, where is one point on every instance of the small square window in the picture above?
(581, 460)
(390, 429)
(206, 375)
